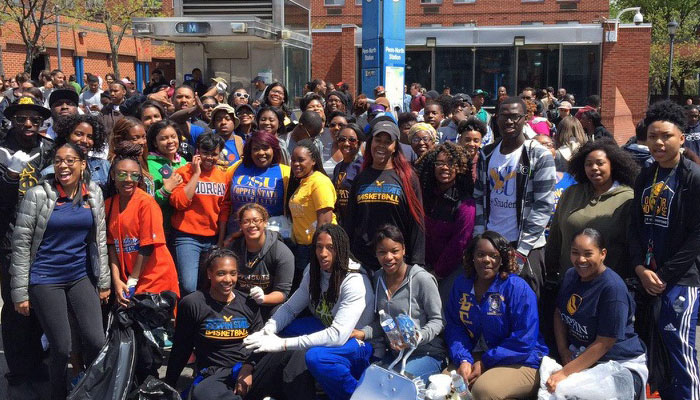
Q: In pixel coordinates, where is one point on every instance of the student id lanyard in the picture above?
(649, 260)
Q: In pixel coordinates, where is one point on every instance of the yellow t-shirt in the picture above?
(315, 192)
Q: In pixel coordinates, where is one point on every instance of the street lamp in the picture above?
(672, 28)
(56, 9)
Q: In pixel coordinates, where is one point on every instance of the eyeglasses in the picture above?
(123, 176)
(343, 139)
(69, 161)
(442, 164)
(418, 139)
(22, 119)
(337, 124)
(511, 117)
(239, 94)
(207, 106)
(251, 221)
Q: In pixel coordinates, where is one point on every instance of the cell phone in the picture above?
(166, 171)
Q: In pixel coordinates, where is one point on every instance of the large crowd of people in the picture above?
(287, 223)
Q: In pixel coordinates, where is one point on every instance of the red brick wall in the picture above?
(483, 12)
(625, 80)
(326, 57)
(94, 47)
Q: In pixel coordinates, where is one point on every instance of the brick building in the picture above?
(470, 44)
(84, 48)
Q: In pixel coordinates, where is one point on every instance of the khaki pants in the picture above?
(508, 382)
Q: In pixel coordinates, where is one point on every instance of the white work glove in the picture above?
(221, 87)
(264, 343)
(17, 161)
(131, 282)
(257, 294)
(270, 327)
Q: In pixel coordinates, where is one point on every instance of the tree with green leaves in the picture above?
(686, 63)
(29, 17)
(116, 15)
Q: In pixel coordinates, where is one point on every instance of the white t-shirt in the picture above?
(503, 170)
(88, 98)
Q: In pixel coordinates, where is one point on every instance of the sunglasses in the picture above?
(208, 106)
(123, 176)
(343, 139)
(22, 119)
(239, 94)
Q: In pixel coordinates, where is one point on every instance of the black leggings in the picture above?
(52, 303)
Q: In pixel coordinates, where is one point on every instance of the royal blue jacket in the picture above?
(506, 317)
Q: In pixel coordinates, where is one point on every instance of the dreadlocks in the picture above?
(425, 167)
(341, 245)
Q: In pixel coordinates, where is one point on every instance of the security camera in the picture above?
(638, 18)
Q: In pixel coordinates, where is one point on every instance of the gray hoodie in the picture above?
(418, 297)
(272, 268)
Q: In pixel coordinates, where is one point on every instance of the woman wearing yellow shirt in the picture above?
(310, 201)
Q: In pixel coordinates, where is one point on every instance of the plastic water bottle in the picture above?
(461, 389)
(389, 326)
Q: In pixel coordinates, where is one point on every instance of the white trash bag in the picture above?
(607, 381)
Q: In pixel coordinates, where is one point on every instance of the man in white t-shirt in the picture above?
(514, 191)
(90, 99)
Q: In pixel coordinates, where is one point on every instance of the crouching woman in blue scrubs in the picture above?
(594, 318)
(340, 298)
(492, 330)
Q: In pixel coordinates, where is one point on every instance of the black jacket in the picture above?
(683, 240)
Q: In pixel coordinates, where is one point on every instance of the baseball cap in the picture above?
(376, 108)
(27, 103)
(565, 104)
(464, 97)
(63, 94)
(229, 110)
(386, 126)
(479, 92)
(379, 90)
(258, 78)
(246, 106)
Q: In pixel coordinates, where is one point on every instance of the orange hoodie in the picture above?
(209, 206)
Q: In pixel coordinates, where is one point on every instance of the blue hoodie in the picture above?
(506, 317)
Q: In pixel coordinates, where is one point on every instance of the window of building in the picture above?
(464, 1)
(580, 73)
(358, 2)
(419, 67)
(568, 22)
(532, 23)
(465, 25)
(455, 68)
(333, 3)
(537, 68)
(494, 68)
(430, 25)
(431, 1)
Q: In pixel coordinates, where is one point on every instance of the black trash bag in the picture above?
(647, 327)
(155, 389)
(130, 350)
(110, 376)
(150, 311)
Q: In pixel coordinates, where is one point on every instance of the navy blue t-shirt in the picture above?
(343, 176)
(656, 228)
(601, 307)
(63, 253)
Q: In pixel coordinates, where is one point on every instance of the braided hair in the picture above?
(425, 168)
(124, 150)
(214, 253)
(339, 269)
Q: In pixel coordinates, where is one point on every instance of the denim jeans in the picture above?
(418, 366)
(188, 250)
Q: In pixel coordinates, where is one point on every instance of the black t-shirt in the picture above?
(377, 197)
(344, 175)
(601, 307)
(657, 219)
(214, 330)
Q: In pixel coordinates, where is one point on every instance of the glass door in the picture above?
(537, 68)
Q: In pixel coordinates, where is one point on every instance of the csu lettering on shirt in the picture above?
(211, 188)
